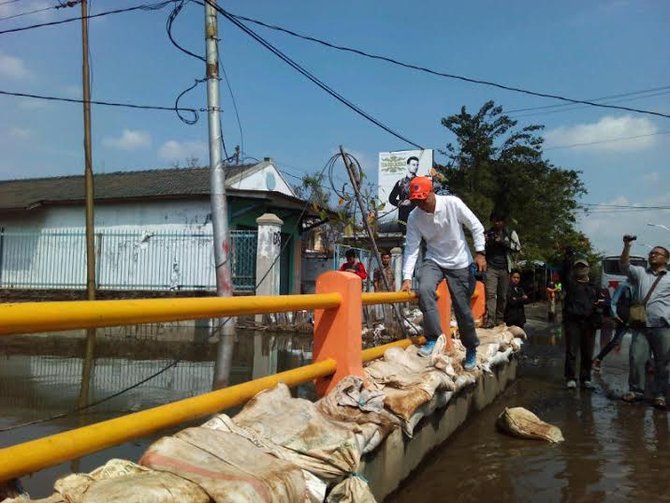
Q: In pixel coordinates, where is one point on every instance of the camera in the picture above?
(628, 238)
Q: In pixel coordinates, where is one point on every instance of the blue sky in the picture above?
(583, 50)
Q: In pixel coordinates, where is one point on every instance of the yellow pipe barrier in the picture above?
(387, 297)
(36, 455)
(35, 317)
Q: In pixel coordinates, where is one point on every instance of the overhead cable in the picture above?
(439, 73)
(309, 75)
(609, 140)
(145, 7)
(99, 102)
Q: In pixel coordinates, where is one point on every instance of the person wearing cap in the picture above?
(652, 285)
(580, 311)
(438, 220)
(399, 196)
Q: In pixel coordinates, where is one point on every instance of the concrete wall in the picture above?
(398, 456)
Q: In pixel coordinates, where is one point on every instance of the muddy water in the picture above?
(40, 379)
(613, 451)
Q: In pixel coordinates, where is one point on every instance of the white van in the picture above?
(612, 275)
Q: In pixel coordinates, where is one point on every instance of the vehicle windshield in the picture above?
(611, 265)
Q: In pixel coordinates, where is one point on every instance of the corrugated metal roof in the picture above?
(172, 182)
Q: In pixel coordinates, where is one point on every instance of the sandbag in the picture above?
(228, 467)
(353, 489)
(522, 423)
(121, 480)
(321, 445)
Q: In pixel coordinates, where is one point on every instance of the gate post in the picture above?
(267, 256)
(337, 332)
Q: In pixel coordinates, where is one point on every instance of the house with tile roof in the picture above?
(153, 228)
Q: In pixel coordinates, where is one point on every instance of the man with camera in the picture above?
(649, 320)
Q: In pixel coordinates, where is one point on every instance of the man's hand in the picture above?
(480, 261)
(406, 285)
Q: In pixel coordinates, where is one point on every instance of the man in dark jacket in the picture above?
(580, 310)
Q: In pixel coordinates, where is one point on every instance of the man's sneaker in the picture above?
(470, 361)
(596, 366)
(427, 348)
(571, 384)
(587, 385)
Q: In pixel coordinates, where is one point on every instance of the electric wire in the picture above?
(99, 102)
(143, 7)
(609, 140)
(308, 74)
(28, 13)
(438, 73)
(644, 93)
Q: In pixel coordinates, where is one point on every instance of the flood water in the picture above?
(40, 379)
(613, 451)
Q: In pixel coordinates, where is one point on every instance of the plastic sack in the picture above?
(353, 489)
(522, 423)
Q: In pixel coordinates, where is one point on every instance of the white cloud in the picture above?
(180, 151)
(13, 67)
(129, 140)
(606, 135)
(18, 133)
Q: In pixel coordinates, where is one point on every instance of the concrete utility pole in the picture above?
(88, 189)
(224, 284)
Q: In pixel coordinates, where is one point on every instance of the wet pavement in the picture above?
(613, 451)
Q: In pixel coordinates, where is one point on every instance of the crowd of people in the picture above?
(435, 222)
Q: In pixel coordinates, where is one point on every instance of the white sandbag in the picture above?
(522, 423)
(323, 446)
(316, 488)
(439, 401)
(353, 404)
(228, 467)
(121, 480)
(353, 489)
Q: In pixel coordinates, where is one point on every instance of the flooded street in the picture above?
(613, 451)
(40, 379)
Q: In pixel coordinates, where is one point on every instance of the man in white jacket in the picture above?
(439, 220)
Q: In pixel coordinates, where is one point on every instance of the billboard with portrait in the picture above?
(395, 169)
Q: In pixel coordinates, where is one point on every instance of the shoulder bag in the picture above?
(638, 310)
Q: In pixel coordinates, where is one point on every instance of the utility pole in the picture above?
(88, 189)
(224, 284)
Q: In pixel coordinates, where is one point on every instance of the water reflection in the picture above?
(40, 379)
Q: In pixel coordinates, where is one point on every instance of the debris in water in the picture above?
(522, 423)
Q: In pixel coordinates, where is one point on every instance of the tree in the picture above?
(493, 165)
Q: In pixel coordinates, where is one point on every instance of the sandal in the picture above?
(632, 396)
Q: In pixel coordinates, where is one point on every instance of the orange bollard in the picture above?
(337, 331)
(478, 303)
(444, 307)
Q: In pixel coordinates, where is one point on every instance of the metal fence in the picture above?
(127, 260)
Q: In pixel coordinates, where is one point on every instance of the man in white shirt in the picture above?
(439, 220)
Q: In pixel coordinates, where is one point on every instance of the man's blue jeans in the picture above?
(645, 341)
(459, 284)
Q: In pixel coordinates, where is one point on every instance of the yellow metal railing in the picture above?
(35, 317)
